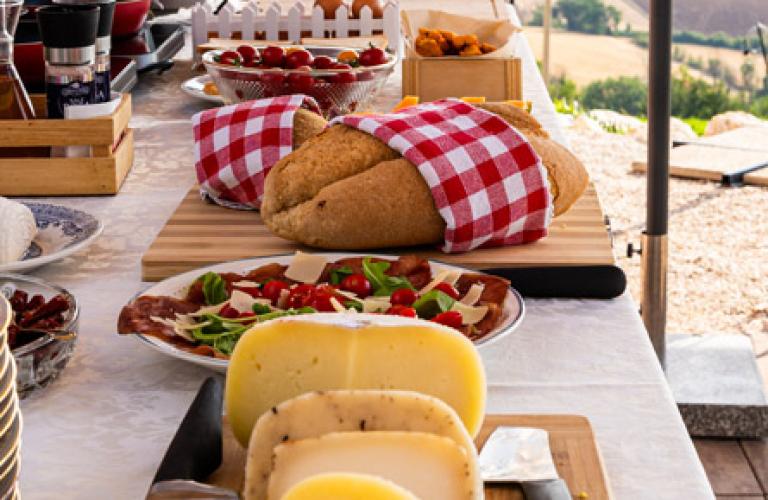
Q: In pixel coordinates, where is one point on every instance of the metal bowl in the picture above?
(238, 84)
(40, 361)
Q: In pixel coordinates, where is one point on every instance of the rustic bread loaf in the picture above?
(306, 124)
(345, 189)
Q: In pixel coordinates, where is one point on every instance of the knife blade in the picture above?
(586, 282)
(521, 455)
(196, 450)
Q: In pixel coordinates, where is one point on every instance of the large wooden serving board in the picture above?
(712, 157)
(574, 450)
(200, 234)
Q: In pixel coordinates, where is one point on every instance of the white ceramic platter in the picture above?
(514, 307)
(194, 87)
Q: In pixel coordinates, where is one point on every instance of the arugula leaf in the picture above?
(382, 284)
(214, 288)
(432, 303)
(353, 304)
(260, 308)
(338, 275)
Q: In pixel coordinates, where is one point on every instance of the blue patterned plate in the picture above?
(62, 231)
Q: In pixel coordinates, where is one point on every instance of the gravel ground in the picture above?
(718, 240)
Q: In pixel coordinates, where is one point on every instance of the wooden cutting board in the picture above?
(711, 157)
(574, 450)
(200, 234)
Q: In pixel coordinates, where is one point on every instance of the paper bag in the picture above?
(499, 33)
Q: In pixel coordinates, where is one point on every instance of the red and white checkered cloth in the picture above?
(237, 145)
(488, 183)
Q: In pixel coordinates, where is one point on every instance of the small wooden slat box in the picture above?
(433, 78)
(109, 138)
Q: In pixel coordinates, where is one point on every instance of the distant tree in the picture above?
(715, 69)
(729, 77)
(695, 63)
(698, 98)
(587, 16)
(759, 107)
(562, 87)
(678, 54)
(748, 75)
(625, 94)
(537, 16)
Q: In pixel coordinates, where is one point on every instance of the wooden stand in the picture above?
(103, 172)
(439, 77)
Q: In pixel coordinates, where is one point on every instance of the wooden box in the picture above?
(103, 172)
(433, 78)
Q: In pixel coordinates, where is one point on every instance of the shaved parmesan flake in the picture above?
(349, 295)
(439, 277)
(470, 314)
(306, 267)
(452, 277)
(337, 305)
(371, 305)
(282, 300)
(179, 327)
(241, 301)
(246, 284)
(207, 310)
(473, 295)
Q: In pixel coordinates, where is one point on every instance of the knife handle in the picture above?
(549, 489)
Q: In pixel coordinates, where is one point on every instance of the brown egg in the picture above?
(329, 7)
(376, 8)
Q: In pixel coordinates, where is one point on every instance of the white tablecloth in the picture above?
(101, 429)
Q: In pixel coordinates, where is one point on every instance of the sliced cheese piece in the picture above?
(376, 304)
(431, 467)
(347, 486)
(473, 294)
(246, 284)
(470, 315)
(317, 413)
(449, 276)
(306, 267)
(290, 356)
(337, 305)
(241, 301)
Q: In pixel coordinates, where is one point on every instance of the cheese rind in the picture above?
(429, 466)
(316, 414)
(286, 357)
(347, 486)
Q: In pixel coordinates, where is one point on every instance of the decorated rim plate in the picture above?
(61, 231)
(513, 311)
(194, 87)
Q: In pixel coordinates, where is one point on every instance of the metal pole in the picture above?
(547, 34)
(654, 301)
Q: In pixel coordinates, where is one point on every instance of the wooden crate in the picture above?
(439, 77)
(109, 137)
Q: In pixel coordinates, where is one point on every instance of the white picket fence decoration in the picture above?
(252, 19)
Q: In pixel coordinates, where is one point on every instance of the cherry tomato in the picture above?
(230, 57)
(448, 289)
(273, 78)
(449, 318)
(363, 76)
(322, 301)
(401, 310)
(372, 57)
(301, 295)
(251, 64)
(273, 56)
(298, 58)
(248, 53)
(343, 77)
(229, 312)
(357, 284)
(271, 290)
(347, 56)
(403, 296)
(247, 315)
(300, 81)
(322, 62)
(253, 291)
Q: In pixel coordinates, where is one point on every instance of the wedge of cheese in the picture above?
(318, 413)
(345, 486)
(429, 466)
(283, 358)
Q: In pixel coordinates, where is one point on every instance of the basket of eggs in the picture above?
(341, 80)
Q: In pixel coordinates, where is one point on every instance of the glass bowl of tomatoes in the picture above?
(341, 80)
